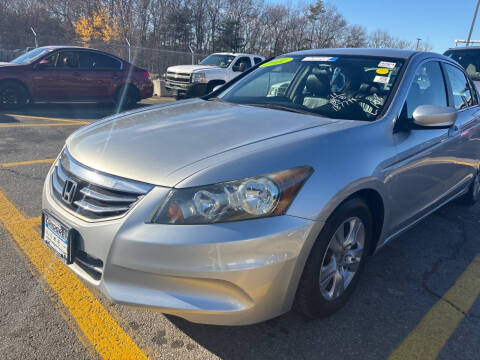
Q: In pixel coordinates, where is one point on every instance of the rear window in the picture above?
(469, 59)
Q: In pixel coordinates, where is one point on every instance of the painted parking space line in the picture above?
(45, 118)
(30, 162)
(92, 320)
(76, 123)
(431, 334)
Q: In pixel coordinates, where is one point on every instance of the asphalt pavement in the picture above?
(417, 299)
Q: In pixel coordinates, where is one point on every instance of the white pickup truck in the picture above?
(215, 69)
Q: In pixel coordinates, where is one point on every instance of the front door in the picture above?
(425, 172)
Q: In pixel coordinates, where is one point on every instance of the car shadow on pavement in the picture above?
(84, 111)
(7, 119)
(397, 288)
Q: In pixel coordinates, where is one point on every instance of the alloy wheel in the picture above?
(342, 258)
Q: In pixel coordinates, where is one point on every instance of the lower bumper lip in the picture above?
(231, 274)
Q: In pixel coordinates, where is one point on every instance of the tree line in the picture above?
(203, 26)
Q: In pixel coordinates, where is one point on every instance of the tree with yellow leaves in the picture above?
(98, 26)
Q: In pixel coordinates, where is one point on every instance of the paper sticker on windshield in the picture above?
(320, 58)
(386, 64)
(382, 71)
(277, 62)
(381, 79)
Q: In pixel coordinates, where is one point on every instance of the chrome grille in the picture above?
(98, 196)
(178, 77)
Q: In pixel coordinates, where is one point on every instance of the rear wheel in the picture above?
(127, 96)
(473, 194)
(336, 260)
(12, 95)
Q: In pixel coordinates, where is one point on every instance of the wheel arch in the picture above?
(130, 85)
(375, 203)
(19, 82)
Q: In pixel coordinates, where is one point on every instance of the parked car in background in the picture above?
(66, 73)
(271, 191)
(201, 79)
(469, 58)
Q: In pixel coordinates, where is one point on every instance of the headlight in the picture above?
(199, 78)
(255, 197)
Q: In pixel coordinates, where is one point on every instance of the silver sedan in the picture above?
(270, 192)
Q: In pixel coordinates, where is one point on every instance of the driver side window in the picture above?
(428, 88)
(242, 64)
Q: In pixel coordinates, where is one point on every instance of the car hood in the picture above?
(190, 68)
(5, 64)
(153, 145)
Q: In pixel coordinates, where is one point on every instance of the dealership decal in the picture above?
(381, 79)
(386, 64)
(276, 62)
(320, 58)
(382, 71)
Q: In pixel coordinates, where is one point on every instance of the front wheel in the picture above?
(336, 260)
(12, 95)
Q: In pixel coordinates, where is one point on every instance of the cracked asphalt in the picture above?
(400, 285)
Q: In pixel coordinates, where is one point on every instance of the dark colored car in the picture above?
(61, 73)
(469, 58)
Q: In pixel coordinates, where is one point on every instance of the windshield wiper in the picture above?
(214, 98)
(282, 107)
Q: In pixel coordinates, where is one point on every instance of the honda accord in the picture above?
(269, 193)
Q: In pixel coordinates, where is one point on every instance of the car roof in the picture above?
(237, 54)
(393, 53)
(461, 48)
(67, 47)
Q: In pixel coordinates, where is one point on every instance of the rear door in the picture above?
(465, 144)
(427, 170)
(101, 74)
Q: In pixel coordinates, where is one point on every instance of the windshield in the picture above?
(344, 87)
(28, 57)
(469, 59)
(218, 60)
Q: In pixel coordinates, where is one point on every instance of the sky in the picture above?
(439, 22)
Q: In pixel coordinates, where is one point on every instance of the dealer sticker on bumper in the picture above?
(57, 237)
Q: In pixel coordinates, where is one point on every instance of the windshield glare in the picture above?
(28, 57)
(218, 60)
(344, 87)
(469, 59)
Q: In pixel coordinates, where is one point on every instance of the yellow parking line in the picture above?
(44, 118)
(428, 338)
(42, 125)
(92, 319)
(30, 162)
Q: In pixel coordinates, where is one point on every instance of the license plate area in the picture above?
(58, 237)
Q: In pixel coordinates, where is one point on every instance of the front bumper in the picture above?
(230, 273)
(186, 89)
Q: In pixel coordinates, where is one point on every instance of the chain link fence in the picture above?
(156, 61)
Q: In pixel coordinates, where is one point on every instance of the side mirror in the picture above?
(216, 88)
(42, 64)
(432, 116)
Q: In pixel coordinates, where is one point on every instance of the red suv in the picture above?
(61, 73)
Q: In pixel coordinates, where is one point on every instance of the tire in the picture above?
(13, 95)
(315, 300)
(126, 97)
(473, 194)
